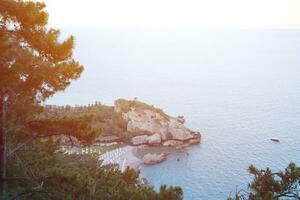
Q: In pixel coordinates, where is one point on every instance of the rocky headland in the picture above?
(160, 128)
(156, 128)
(135, 123)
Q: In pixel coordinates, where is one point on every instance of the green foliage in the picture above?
(268, 185)
(111, 122)
(127, 105)
(113, 126)
(79, 127)
(79, 177)
(34, 65)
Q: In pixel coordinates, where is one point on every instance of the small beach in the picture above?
(122, 156)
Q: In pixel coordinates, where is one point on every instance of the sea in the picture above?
(238, 87)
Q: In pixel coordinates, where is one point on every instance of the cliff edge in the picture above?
(160, 128)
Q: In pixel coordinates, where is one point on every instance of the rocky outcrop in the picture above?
(146, 120)
(151, 159)
(142, 117)
(178, 131)
(172, 143)
(154, 139)
(195, 140)
(139, 140)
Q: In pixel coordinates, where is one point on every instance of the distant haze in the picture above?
(175, 13)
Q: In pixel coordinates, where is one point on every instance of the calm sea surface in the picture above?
(238, 87)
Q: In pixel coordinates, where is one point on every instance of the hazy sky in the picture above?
(175, 13)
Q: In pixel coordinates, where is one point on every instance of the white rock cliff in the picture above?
(145, 118)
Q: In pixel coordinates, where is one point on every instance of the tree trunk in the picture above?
(3, 107)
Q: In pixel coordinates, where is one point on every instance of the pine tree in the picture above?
(34, 65)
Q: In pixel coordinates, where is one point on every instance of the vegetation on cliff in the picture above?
(113, 126)
(104, 117)
(126, 105)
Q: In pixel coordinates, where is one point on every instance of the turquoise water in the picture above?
(238, 87)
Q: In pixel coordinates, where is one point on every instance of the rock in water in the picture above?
(151, 159)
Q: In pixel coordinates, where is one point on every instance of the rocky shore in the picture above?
(150, 159)
(134, 123)
(160, 129)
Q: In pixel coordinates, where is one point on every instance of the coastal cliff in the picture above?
(131, 121)
(161, 128)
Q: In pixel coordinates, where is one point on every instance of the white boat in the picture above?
(275, 140)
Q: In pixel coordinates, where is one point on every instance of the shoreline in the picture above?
(123, 156)
(132, 156)
(128, 155)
